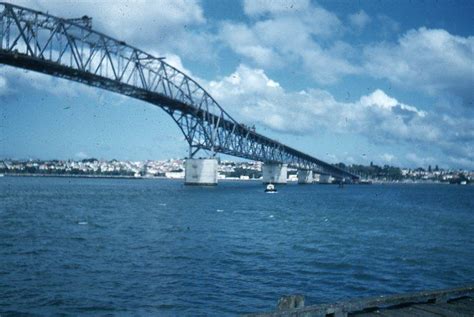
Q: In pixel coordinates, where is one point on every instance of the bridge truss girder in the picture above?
(71, 49)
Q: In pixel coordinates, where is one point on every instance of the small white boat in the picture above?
(270, 189)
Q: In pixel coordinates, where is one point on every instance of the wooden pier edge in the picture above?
(358, 306)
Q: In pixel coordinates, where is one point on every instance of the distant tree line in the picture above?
(239, 171)
(74, 171)
(387, 172)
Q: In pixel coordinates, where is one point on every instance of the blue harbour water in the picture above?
(156, 247)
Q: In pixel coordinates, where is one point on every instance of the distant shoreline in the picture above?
(112, 176)
(181, 179)
(72, 176)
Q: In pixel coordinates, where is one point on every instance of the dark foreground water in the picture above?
(156, 247)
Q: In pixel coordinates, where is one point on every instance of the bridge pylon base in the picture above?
(323, 179)
(305, 176)
(275, 173)
(202, 172)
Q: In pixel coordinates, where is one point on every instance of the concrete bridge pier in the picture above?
(200, 172)
(305, 176)
(322, 179)
(275, 173)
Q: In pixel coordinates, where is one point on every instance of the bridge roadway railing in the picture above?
(69, 48)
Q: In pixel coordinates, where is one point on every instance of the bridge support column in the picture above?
(200, 172)
(275, 173)
(322, 179)
(305, 176)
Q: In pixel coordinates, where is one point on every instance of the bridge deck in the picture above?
(448, 302)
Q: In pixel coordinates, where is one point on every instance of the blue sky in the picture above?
(352, 81)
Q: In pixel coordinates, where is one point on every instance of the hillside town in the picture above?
(242, 170)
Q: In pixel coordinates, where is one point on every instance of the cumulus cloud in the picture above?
(315, 19)
(251, 92)
(419, 160)
(81, 155)
(139, 23)
(292, 35)
(359, 20)
(308, 37)
(434, 61)
(388, 158)
(18, 79)
(167, 25)
(327, 66)
(251, 96)
(246, 42)
(386, 25)
(303, 36)
(379, 99)
(261, 7)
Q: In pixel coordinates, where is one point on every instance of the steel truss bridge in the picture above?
(71, 49)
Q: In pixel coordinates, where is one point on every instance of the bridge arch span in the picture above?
(71, 49)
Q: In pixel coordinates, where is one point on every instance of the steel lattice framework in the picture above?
(69, 48)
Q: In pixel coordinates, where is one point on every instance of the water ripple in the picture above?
(121, 247)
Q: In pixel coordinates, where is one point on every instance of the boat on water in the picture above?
(270, 189)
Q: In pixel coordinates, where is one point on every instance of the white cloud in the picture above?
(359, 20)
(129, 18)
(379, 99)
(142, 19)
(250, 92)
(306, 36)
(246, 42)
(434, 61)
(261, 7)
(420, 161)
(18, 78)
(300, 37)
(386, 25)
(252, 97)
(316, 20)
(175, 61)
(388, 158)
(166, 25)
(327, 66)
(81, 155)
(245, 81)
